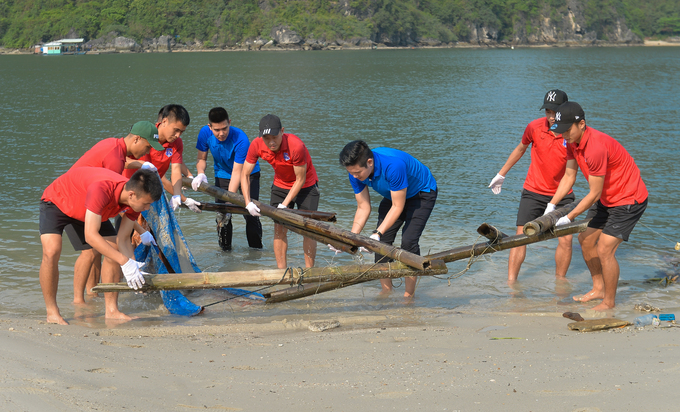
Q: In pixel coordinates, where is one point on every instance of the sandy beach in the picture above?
(457, 362)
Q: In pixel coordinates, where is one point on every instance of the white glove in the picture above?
(374, 236)
(176, 202)
(252, 209)
(147, 239)
(150, 166)
(496, 184)
(134, 277)
(549, 209)
(281, 206)
(192, 204)
(201, 178)
(334, 249)
(563, 221)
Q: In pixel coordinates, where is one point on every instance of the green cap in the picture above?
(148, 131)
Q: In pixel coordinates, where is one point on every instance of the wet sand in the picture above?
(447, 362)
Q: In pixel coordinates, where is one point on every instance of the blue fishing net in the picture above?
(170, 239)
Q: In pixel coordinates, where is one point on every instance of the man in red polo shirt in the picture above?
(548, 159)
(111, 154)
(86, 198)
(173, 120)
(616, 201)
(295, 181)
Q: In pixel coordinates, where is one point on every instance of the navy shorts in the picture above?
(532, 205)
(617, 221)
(306, 199)
(53, 221)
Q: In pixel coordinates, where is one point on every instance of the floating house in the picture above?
(63, 46)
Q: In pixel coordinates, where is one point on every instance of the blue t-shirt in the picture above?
(395, 170)
(232, 150)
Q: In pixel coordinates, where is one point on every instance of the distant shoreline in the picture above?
(646, 43)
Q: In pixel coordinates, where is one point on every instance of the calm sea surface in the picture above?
(461, 112)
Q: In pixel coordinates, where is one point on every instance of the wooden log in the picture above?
(218, 280)
(509, 242)
(323, 239)
(491, 232)
(238, 210)
(485, 229)
(322, 228)
(309, 289)
(547, 221)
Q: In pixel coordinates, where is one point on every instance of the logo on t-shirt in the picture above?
(286, 156)
(564, 142)
(168, 152)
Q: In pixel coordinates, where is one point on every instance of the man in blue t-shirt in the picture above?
(409, 191)
(229, 146)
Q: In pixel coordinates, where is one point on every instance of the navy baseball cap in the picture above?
(553, 99)
(567, 114)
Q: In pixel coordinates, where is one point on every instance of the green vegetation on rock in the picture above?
(217, 23)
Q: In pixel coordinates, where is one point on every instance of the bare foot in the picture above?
(589, 296)
(56, 319)
(117, 315)
(78, 301)
(603, 306)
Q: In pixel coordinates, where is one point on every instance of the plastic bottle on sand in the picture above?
(645, 320)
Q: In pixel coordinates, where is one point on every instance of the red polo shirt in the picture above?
(291, 153)
(161, 159)
(598, 154)
(548, 158)
(109, 153)
(88, 188)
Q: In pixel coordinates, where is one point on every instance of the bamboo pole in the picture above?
(238, 210)
(323, 239)
(547, 221)
(509, 242)
(271, 277)
(465, 252)
(322, 228)
(491, 232)
(297, 292)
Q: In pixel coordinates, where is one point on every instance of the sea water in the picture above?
(460, 111)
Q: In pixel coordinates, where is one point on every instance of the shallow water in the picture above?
(461, 112)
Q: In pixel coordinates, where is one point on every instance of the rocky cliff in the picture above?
(566, 25)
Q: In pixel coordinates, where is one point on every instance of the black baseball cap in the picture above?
(553, 99)
(567, 114)
(270, 124)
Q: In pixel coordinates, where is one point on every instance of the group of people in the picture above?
(560, 144)
(121, 177)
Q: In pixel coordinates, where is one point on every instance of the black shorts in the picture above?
(306, 199)
(53, 221)
(532, 205)
(617, 221)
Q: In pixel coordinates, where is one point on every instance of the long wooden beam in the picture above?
(239, 210)
(509, 242)
(321, 228)
(494, 235)
(271, 277)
